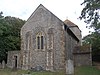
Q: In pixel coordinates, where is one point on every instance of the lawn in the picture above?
(87, 70)
(20, 72)
(12, 72)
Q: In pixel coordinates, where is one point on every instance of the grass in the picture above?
(5, 72)
(49, 73)
(86, 70)
(12, 72)
(19, 72)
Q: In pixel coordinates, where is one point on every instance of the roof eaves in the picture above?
(69, 30)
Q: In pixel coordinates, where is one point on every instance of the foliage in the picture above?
(91, 16)
(94, 40)
(91, 13)
(9, 34)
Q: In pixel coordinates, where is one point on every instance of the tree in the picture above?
(91, 13)
(15, 25)
(3, 29)
(94, 40)
(9, 34)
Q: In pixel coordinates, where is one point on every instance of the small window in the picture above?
(40, 41)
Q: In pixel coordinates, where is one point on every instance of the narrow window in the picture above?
(38, 42)
(41, 42)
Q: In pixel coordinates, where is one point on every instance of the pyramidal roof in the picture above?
(69, 23)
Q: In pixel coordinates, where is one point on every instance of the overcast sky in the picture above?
(63, 9)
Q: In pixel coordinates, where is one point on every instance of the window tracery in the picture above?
(40, 41)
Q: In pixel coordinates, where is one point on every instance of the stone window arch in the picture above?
(26, 56)
(50, 51)
(40, 40)
(51, 38)
(28, 38)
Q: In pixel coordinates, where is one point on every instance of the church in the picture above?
(46, 41)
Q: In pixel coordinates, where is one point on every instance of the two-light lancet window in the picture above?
(40, 41)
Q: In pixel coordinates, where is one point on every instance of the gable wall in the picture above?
(42, 20)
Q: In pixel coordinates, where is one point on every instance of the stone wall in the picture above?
(82, 59)
(13, 59)
(71, 42)
(82, 56)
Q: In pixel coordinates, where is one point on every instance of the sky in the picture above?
(63, 9)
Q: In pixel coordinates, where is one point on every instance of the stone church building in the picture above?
(46, 41)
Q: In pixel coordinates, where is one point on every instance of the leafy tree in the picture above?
(91, 13)
(3, 28)
(15, 25)
(91, 16)
(94, 40)
(9, 34)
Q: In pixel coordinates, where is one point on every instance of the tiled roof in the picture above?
(69, 23)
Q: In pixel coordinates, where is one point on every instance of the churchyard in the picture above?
(86, 70)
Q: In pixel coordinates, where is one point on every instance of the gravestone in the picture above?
(69, 67)
(3, 64)
(0, 65)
